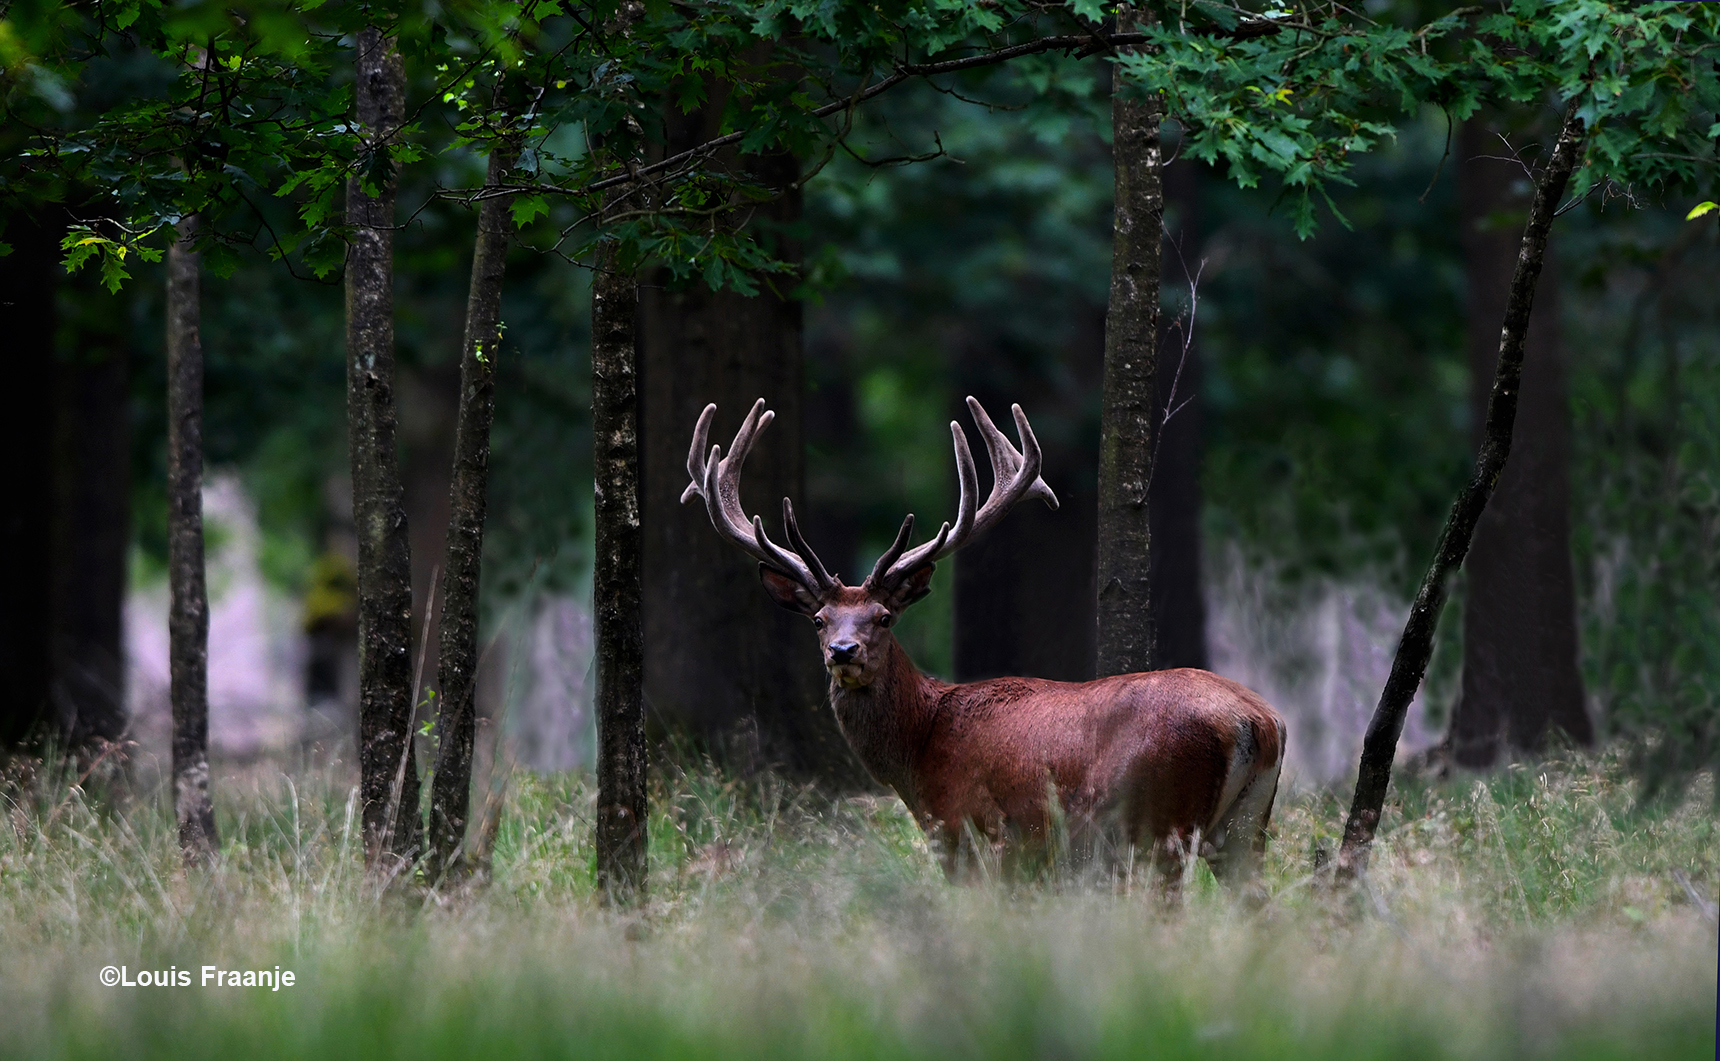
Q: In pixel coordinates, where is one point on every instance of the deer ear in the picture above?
(915, 585)
(787, 592)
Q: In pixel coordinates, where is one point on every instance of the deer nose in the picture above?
(843, 652)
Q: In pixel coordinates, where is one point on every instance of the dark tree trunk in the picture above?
(457, 669)
(68, 438)
(1126, 637)
(188, 610)
(27, 292)
(388, 776)
(1024, 592)
(91, 515)
(1173, 501)
(427, 398)
(616, 584)
(1379, 746)
(833, 512)
(1024, 589)
(724, 662)
(1520, 611)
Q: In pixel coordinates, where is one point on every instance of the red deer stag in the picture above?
(1165, 760)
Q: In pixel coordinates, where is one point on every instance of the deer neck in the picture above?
(887, 723)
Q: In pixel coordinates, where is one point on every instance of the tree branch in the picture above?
(1415, 647)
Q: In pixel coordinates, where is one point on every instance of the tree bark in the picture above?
(188, 610)
(1173, 499)
(27, 310)
(616, 584)
(388, 777)
(726, 666)
(1415, 647)
(1520, 671)
(457, 669)
(1126, 637)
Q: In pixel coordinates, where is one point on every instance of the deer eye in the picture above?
(886, 619)
(817, 623)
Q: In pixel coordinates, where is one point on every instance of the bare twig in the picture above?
(1709, 910)
(1185, 324)
(1443, 155)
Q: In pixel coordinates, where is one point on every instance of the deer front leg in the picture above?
(946, 844)
(970, 847)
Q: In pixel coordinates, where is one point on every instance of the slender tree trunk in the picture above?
(188, 612)
(388, 776)
(1126, 636)
(1379, 746)
(616, 583)
(1520, 671)
(27, 315)
(457, 670)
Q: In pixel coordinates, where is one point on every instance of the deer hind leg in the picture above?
(1234, 833)
(1172, 857)
(1241, 829)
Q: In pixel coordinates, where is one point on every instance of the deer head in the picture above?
(853, 622)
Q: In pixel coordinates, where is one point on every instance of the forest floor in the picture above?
(1539, 911)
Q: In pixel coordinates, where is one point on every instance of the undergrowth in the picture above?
(1543, 910)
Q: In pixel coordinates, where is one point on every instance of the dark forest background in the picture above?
(1331, 413)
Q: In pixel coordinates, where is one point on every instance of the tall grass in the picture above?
(1536, 912)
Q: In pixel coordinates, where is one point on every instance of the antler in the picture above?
(1014, 475)
(718, 481)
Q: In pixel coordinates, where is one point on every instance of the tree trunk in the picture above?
(832, 427)
(61, 637)
(1519, 612)
(1126, 637)
(1379, 746)
(188, 611)
(1024, 590)
(388, 776)
(1173, 499)
(457, 668)
(726, 666)
(90, 520)
(616, 584)
(27, 310)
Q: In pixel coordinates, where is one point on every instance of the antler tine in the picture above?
(782, 559)
(716, 479)
(1015, 475)
(797, 542)
(695, 466)
(949, 539)
(757, 419)
(724, 476)
(1004, 459)
(1036, 486)
(1014, 461)
(882, 568)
